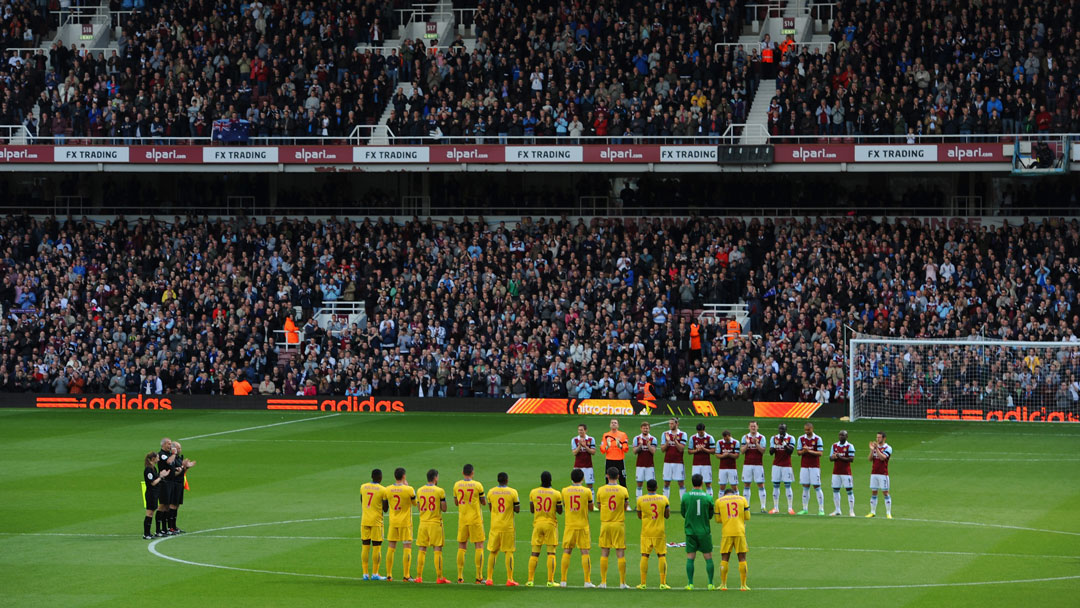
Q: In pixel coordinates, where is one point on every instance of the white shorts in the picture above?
(727, 477)
(704, 470)
(753, 473)
(879, 482)
(810, 476)
(674, 471)
(643, 474)
(842, 481)
(784, 474)
(588, 475)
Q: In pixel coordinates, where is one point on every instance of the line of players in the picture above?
(545, 503)
(163, 481)
(809, 447)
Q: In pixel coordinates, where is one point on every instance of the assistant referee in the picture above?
(615, 444)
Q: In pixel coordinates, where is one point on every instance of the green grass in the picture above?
(976, 504)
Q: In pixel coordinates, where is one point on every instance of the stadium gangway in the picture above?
(714, 312)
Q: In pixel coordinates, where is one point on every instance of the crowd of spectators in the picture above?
(303, 69)
(541, 308)
(552, 69)
(289, 68)
(927, 68)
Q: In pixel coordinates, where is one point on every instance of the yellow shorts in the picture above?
(612, 536)
(471, 533)
(576, 539)
(545, 535)
(372, 533)
(735, 544)
(501, 540)
(653, 543)
(400, 533)
(430, 535)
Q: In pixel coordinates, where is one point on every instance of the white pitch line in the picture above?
(982, 525)
(754, 547)
(152, 547)
(261, 426)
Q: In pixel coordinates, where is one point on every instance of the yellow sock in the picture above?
(663, 569)
(603, 569)
(438, 564)
(406, 561)
(723, 572)
(742, 573)
(460, 564)
(551, 568)
(365, 557)
(622, 570)
(644, 565)
(509, 566)
(491, 566)
(421, 557)
(565, 566)
(478, 559)
(390, 561)
(586, 565)
(533, 561)
(376, 559)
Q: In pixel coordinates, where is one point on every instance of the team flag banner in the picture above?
(785, 409)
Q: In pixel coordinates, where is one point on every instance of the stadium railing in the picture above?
(384, 135)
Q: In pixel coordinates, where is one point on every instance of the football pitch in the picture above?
(985, 513)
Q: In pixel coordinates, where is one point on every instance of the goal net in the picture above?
(964, 380)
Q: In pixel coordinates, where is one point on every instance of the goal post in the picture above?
(964, 380)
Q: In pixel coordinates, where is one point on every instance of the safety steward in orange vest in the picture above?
(733, 330)
(695, 341)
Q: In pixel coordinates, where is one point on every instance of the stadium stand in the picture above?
(545, 308)
(294, 69)
(924, 68)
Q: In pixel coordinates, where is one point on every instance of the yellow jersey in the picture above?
(429, 499)
(612, 499)
(732, 511)
(467, 495)
(502, 500)
(544, 502)
(401, 498)
(372, 495)
(577, 502)
(651, 507)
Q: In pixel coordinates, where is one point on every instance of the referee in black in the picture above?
(180, 466)
(153, 480)
(166, 461)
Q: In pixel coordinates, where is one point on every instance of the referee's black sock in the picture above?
(172, 519)
(146, 525)
(159, 516)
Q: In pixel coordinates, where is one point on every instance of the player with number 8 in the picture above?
(503, 502)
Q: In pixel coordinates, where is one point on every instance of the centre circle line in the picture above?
(152, 548)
